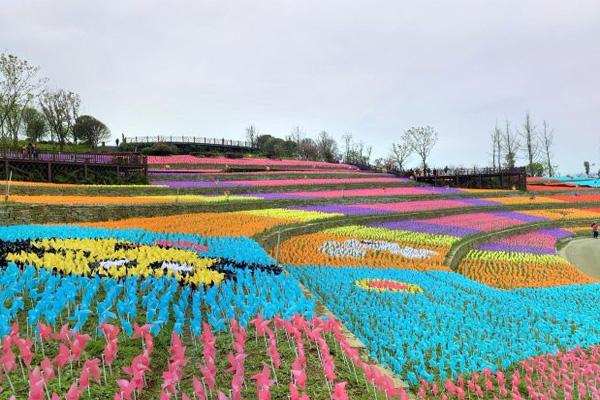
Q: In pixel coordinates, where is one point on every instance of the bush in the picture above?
(163, 149)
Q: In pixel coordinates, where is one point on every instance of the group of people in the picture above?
(428, 172)
(30, 151)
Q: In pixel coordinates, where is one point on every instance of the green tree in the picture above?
(537, 169)
(19, 84)
(61, 109)
(90, 130)
(34, 124)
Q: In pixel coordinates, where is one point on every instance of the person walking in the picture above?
(595, 230)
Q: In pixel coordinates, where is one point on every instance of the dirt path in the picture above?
(585, 253)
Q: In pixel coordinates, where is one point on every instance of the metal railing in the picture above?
(451, 172)
(188, 140)
(133, 159)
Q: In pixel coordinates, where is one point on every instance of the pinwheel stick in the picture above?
(9, 380)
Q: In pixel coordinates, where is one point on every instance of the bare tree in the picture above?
(327, 146)
(347, 138)
(547, 142)
(401, 152)
(61, 109)
(511, 146)
(421, 140)
(496, 137)
(18, 86)
(531, 142)
(308, 150)
(251, 135)
(296, 136)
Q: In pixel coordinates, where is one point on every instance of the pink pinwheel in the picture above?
(260, 325)
(24, 346)
(110, 331)
(294, 394)
(125, 389)
(236, 362)
(177, 350)
(170, 379)
(273, 353)
(141, 331)
(45, 331)
(198, 388)
(207, 336)
(47, 369)
(236, 386)
(8, 359)
(339, 392)
(221, 396)
(78, 345)
(299, 373)
(110, 351)
(209, 373)
(263, 383)
(91, 368)
(64, 334)
(73, 393)
(63, 356)
(279, 322)
(36, 385)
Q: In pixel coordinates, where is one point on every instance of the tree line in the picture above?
(416, 140)
(531, 143)
(30, 109)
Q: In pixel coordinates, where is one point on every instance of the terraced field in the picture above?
(291, 281)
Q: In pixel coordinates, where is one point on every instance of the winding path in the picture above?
(585, 253)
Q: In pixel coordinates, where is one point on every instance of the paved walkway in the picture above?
(585, 253)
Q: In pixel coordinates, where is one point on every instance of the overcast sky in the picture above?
(372, 68)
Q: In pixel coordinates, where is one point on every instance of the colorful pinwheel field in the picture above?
(275, 279)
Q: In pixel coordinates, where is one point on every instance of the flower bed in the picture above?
(456, 326)
(239, 223)
(343, 248)
(273, 182)
(378, 192)
(260, 162)
(398, 207)
(94, 200)
(508, 270)
(542, 241)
